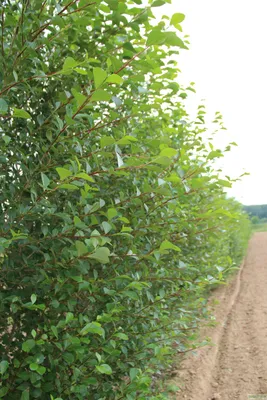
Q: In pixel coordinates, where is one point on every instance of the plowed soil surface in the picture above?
(236, 366)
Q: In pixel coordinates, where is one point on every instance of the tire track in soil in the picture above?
(237, 365)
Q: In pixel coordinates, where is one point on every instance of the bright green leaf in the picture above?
(41, 370)
(68, 186)
(69, 63)
(177, 18)
(112, 212)
(104, 369)
(85, 176)
(158, 3)
(34, 366)
(106, 141)
(114, 78)
(100, 95)
(63, 173)
(99, 76)
(92, 327)
(155, 37)
(17, 113)
(80, 71)
(168, 152)
(166, 245)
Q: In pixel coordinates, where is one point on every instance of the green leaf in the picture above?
(69, 317)
(122, 336)
(112, 212)
(41, 370)
(155, 37)
(133, 373)
(34, 366)
(131, 294)
(68, 357)
(127, 140)
(168, 152)
(100, 95)
(224, 183)
(25, 395)
(78, 222)
(101, 254)
(106, 226)
(3, 106)
(3, 391)
(54, 330)
(114, 78)
(34, 333)
(166, 245)
(81, 71)
(93, 327)
(173, 388)
(68, 186)
(104, 369)
(79, 97)
(162, 161)
(69, 63)
(172, 39)
(6, 138)
(91, 381)
(55, 303)
(82, 249)
(99, 76)
(177, 18)
(214, 154)
(45, 180)
(17, 113)
(28, 345)
(85, 176)
(3, 366)
(33, 298)
(158, 3)
(106, 141)
(63, 173)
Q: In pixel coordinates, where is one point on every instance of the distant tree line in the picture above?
(259, 211)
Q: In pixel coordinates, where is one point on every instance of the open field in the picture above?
(259, 227)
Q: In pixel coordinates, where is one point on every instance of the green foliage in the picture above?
(255, 220)
(113, 219)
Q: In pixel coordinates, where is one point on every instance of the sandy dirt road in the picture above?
(236, 366)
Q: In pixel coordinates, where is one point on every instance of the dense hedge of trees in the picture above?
(113, 219)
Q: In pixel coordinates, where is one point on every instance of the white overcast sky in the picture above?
(227, 60)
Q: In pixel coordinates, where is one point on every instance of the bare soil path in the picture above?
(236, 366)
